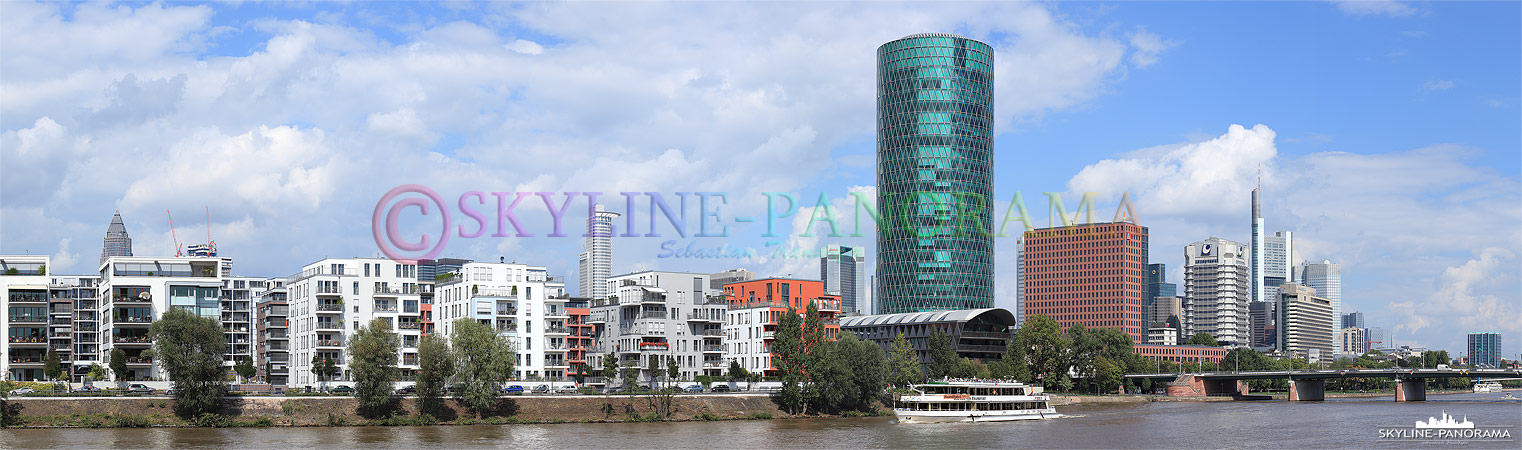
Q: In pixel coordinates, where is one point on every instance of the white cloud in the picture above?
(525, 47)
(1374, 7)
(1437, 85)
(1149, 46)
(1193, 179)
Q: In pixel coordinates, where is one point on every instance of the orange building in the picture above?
(1094, 274)
(579, 327)
(754, 307)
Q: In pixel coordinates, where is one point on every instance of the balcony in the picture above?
(555, 347)
(336, 308)
(556, 330)
(554, 312)
(132, 340)
(715, 365)
(327, 290)
(713, 333)
(828, 305)
(713, 349)
(339, 343)
(388, 291)
(130, 299)
(986, 334)
(507, 311)
(510, 294)
(385, 307)
(768, 334)
(133, 360)
(26, 360)
(330, 326)
(409, 326)
(654, 346)
(705, 317)
(28, 318)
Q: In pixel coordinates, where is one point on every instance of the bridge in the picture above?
(1310, 385)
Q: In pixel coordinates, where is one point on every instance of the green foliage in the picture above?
(192, 347)
(737, 373)
(759, 416)
(705, 416)
(323, 368)
(787, 355)
(903, 364)
(943, 359)
(97, 372)
(372, 353)
(132, 421)
(1107, 374)
(435, 366)
(1013, 364)
(1202, 338)
(1047, 349)
(119, 363)
(10, 413)
(483, 360)
(52, 366)
(609, 368)
(245, 369)
(865, 369)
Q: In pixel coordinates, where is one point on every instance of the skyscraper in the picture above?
(117, 242)
(1326, 277)
(1104, 288)
(1157, 282)
(841, 270)
(935, 150)
(1353, 320)
(1216, 290)
(596, 262)
(1305, 323)
(1277, 268)
(1020, 282)
(1485, 349)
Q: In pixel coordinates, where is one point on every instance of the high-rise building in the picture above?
(754, 308)
(1020, 282)
(934, 152)
(596, 262)
(1306, 323)
(117, 242)
(1255, 264)
(1165, 320)
(1094, 274)
(1485, 349)
(1326, 277)
(1353, 320)
(1263, 319)
(1378, 339)
(1353, 341)
(841, 270)
(1216, 290)
(717, 281)
(652, 317)
(1157, 282)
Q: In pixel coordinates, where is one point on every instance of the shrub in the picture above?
(133, 421)
(759, 415)
(211, 420)
(705, 416)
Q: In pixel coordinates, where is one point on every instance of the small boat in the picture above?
(973, 401)
(1490, 386)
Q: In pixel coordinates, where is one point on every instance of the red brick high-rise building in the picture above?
(1094, 274)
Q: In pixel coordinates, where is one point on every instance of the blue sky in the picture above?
(1388, 133)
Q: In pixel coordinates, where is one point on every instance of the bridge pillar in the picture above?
(1307, 390)
(1412, 390)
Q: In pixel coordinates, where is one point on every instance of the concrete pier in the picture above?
(1413, 390)
(1307, 390)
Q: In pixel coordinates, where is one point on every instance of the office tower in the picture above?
(1263, 319)
(1020, 282)
(117, 242)
(597, 259)
(841, 270)
(1257, 253)
(1354, 341)
(935, 174)
(1326, 277)
(1165, 320)
(750, 322)
(1377, 338)
(1157, 282)
(1277, 269)
(1485, 349)
(1352, 320)
(522, 302)
(331, 298)
(1104, 287)
(652, 317)
(717, 281)
(1216, 290)
(1306, 323)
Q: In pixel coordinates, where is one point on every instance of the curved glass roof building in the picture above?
(934, 174)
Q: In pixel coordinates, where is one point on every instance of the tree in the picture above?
(1085, 347)
(119, 365)
(737, 373)
(609, 369)
(245, 369)
(10, 414)
(483, 360)
(867, 368)
(1107, 374)
(1048, 349)
(372, 358)
(97, 372)
(815, 349)
(903, 364)
(52, 366)
(324, 368)
(943, 359)
(787, 354)
(1013, 364)
(1202, 338)
(192, 346)
(435, 366)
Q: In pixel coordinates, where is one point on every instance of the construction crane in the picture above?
(211, 246)
(177, 249)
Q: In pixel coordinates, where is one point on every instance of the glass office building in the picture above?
(935, 174)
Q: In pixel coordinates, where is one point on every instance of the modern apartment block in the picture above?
(582, 334)
(1484, 349)
(750, 324)
(935, 151)
(651, 317)
(596, 262)
(238, 297)
(523, 302)
(24, 289)
(1216, 295)
(717, 281)
(1306, 323)
(1326, 277)
(842, 269)
(74, 299)
(331, 298)
(272, 331)
(1353, 341)
(1094, 274)
(136, 291)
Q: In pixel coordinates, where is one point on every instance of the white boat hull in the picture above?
(912, 416)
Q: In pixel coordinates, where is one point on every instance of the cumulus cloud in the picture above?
(1190, 179)
(1149, 46)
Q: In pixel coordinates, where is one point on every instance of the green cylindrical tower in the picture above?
(935, 145)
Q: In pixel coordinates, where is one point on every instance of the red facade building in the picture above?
(1094, 274)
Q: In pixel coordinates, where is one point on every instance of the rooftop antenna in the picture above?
(176, 237)
(1260, 175)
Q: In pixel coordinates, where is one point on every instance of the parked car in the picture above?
(87, 389)
(140, 389)
(407, 390)
(614, 390)
(342, 390)
(567, 389)
(541, 389)
(23, 391)
(696, 388)
(719, 388)
(514, 389)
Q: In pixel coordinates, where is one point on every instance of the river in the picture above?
(1336, 423)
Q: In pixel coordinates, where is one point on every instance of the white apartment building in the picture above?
(657, 316)
(24, 296)
(136, 291)
(1216, 290)
(523, 302)
(331, 298)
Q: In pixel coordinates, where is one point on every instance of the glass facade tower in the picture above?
(934, 174)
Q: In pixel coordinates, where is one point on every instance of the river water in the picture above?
(1336, 423)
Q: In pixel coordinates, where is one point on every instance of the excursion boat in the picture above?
(973, 401)
(1491, 386)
